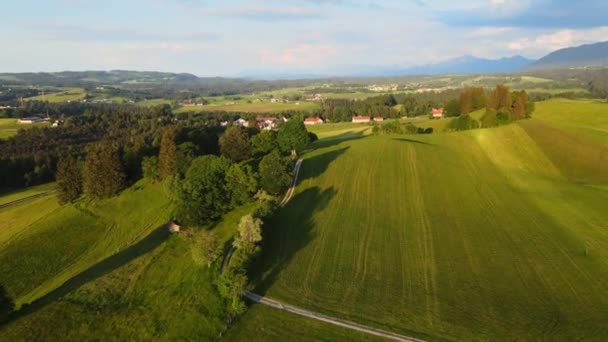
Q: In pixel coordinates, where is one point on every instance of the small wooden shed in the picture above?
(173, 227)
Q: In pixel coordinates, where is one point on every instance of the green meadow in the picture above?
(474, 235)
(71, 94)
(488, 234)
(108, 268)
(256, 107)
(9, 127)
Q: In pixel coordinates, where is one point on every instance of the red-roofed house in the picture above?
(313, 121)
(437, 112)
(361, 119)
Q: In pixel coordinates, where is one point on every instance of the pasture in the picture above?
(69, 95)
(467, 236)
(256, 107)
(110, 272)
(43, 244)
(9, 127)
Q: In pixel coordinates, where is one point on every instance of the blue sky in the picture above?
(225, 38)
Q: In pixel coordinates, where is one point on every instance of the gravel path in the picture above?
(292, 187)
(327, 319)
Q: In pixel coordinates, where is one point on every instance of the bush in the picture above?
(392, 127)
(312, 137)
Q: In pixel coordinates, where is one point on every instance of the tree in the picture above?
(273, 173)
(520, 104)
(390, 101)
(241, 182)
(250, 233)
(293, 137)
(207, 248)
(103, 172)
(186, 152)
(500, 99)
(452, 108)
(264, 143)
(167, 158)
(149, 167)
(472, 99)
(235, 144)
(203, 195)
(6, 304)
(69, 179)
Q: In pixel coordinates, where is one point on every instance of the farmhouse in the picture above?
(31, 120)
(378, 119)
(266, 123)
(241, 122)
(313, 121)
(361, 119)
(437, 112)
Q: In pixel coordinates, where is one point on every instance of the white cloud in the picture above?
(548, 42)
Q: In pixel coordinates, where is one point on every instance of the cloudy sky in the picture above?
(225, 38)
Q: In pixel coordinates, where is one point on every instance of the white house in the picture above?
(361, 119)
(313, 121)
(437, 112)
(241, 122)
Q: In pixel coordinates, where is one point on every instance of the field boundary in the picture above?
(327, 319)
(285, 200)
(25, 199)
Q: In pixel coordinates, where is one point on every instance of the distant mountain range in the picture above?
(575, 57)
(590, 55)
(585, 56)
(461, 65)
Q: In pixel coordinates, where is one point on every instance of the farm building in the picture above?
(313, 121)
(437, 112)
(361, 119)
(173, 227)
(378, 119)
(241, 123)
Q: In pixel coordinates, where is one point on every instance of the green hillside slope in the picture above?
(471, 235)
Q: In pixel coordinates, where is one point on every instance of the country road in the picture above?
(288, 195)
(292, 187)
(327, 319)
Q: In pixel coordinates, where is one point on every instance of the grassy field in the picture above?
(475, 235)
(72, 94)
(106, 270)
(9, 127)
(26, 192)
(260, 107)
(254, 326)
(43, 244)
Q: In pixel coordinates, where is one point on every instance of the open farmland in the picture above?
(150, 289)
(9, 127)
(472, 235)
(43, 244)
(260, 107)
(72, 94)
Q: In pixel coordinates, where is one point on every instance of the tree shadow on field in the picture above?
(287, 232)
(413, 141)
(338, 139)
(317, 165)
(146, 245)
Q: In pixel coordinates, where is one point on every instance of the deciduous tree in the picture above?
(293, 137)
(235, 144)
(203, 195)
(273, 173)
